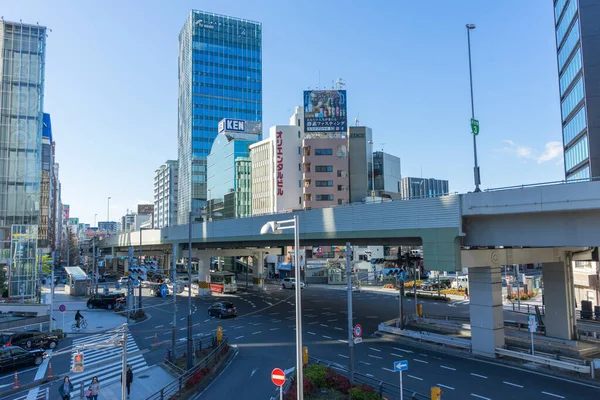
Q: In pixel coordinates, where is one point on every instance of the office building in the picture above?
(386, 168)
(127, 221)
(165, 194)
(225, 168)
(419, 188)
(45, 227)
(22, 58)
(108, 226)
(360, 146)
(578, 54)
(220, 76)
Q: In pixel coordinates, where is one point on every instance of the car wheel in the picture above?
(282, 286)
(38, 361)
(110, 307)
(52, 345)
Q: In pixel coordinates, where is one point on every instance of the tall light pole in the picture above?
(372, 172)
(190, 361)
(278, 227)
(108, 210)
(476, 167)
(95, 219)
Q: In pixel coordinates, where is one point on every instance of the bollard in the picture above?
(155, 338)
(420, 310)
(305, 355)
(16, 385)
(436, 393)
(49, 370)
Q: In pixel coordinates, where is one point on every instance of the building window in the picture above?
(307, 151)
(565, 21)
(323, 152)
(299, 167)
(323, 168)
(575, 126)
(570, 72)
(572, 99)
(299, 150)
(300, 183)
(298, 134)
(307, 197)
(583, 173)
(341, 173)
(577, 153)
(298, 125)
(324, 197)
(324, 183)
(568, 45)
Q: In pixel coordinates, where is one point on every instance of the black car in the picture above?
(222, 309)
(29, 339)
(16, 357)
(107, 301)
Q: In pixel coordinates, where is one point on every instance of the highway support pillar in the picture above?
(559, 299)
(204, 257)
(487, 314)
(258, 263)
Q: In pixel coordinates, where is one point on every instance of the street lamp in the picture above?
(108, 210)
(95, 219)
(277, 227)
(372, 172)
(476, 175)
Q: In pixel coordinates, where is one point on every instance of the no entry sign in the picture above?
(278, 377)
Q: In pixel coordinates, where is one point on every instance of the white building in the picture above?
(276, 168)
(165, 194)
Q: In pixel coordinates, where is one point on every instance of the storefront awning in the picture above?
(284, 267)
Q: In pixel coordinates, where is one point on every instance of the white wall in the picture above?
(290, 199)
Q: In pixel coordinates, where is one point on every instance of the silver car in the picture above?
(290, 283)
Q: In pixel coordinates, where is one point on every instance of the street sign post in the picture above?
(62, 308)
(401, 366)
(533, 325)
(164, 291)
(357, 331)
(474, 126)
(278, 378)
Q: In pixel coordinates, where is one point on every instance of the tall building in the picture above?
(22, 65)
(360, 146)
(220, 76)
(108, 226)
(387, 172)
(128, 221)
(578, 54)
(165, 194)
(419, 188)
(46, 228)
(226, 169)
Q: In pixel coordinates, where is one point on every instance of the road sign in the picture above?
(164, 290)
(475, 126)
(357, 340)
(402, 275)
(507, 279)
(401, 365)
(117, 286)
(532, 323)
(357, 331)
(62, 308)
(278, 377)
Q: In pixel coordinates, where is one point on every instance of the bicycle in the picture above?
(82, 325)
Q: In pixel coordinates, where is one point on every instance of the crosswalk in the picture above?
(105, 363)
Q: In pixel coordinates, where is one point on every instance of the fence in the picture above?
(199, 342)
(384, 389)
(178, 385)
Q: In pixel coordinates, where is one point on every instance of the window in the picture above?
(324, 183)
(324, 197)
(323, 152)
(568, 45)
(577, 153)
(570, 72)
(572, 99)
(574, 127)
(583, 173)
(299, 150)
(341, 173)
(300, 183)
(323, 168)
(561, 29)
(340, 202)
(298, 134)
(560, 5)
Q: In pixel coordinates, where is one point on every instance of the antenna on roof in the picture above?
(356, 121)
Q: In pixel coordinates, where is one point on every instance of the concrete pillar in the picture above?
(203, 271)
(257, 271)
(487, 314)
(559, 300)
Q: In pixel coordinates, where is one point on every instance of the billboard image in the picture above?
(325, 111)
(73, 221)
(145, 209)
(66, 211)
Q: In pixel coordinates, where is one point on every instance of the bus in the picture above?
(223, 282)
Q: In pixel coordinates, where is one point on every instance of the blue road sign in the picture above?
(402, 275)
(117, 286)
(401, 365)
(164, 291)
(62, 308)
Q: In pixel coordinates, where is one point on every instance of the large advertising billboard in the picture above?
(325, 111)
(66, 212)
(145, 209)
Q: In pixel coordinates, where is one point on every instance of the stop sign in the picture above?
(278, 377)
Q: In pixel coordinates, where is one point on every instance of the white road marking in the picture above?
(207, 319)
(338, 328)
(239, 327)
(326, 326)
(332, 320)
(256, 333)
(480, 397)
(311, 323)
(311, 333)
(181, 319)
(387, 369)
(552, 394)
(274, 313)
(341, 355)
(239, 337)
(423, 355)
(343, 341)
(405, 351)
(444, 386)
(479, 376)
(450, 368)
(415, 377)
(512, 384)
(374, 349)
(148, 337)
(182, 329)
(326, 337)
(396, 355)
(159, 326)
(273, 329)
(275, 320)
(421, 361)
(363, 362)
(372, 356)
(369, 375)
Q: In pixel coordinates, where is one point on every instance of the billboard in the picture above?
(66, 211)
(73, 221)
(145, 209)
(325, 111)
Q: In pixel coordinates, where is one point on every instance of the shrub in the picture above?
(389, 286)
(363, 393)
(309, 388)
(338, 382)
(317, 374)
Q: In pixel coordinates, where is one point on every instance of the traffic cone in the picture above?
(155, 338)
(16, 385)
(49, 370)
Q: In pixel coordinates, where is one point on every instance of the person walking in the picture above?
(128, 379)
(94, 389)
(65, 389)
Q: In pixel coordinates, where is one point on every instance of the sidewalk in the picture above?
(145, 383)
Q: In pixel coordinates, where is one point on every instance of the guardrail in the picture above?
(549, 362)
(177, 386)
(199, 342)
(384, 389)
(427, 336)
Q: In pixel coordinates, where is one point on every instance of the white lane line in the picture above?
(341, 355)
(326, 337)
(312, 323)
(324, 325)
(387, 369)
(372, 356)
(239, 327)
(338, 328)
(364, 362)
(332, 320)
(479, 376)
(182, 329)
(148, 337)
(256, 333)
(423, 355)
(512, 384)
(159, 326)
(207, 319)
(405, 351)
(396, 355)
(181, 319)
(369, 375)
(444, 386)
(374, 349)
(311, 333)
(450, 368)
(343, 341)
(273, 329)
(480, 397)
(166, 333)
(239, 337)
(274, 313)
(415, 377)
(555, 395)
(421, 361)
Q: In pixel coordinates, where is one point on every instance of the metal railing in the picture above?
(384, 389)
(528, 185)
(178, 385)
(547, 361)
(199, 342)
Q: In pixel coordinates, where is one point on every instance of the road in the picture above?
(264, 334)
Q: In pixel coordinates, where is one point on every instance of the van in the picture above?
(460, 282)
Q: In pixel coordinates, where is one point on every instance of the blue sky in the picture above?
(111, 85)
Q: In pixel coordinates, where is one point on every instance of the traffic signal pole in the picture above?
(124, 365)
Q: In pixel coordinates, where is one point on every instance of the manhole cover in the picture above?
(144, 376)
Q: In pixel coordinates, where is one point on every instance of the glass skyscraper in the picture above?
(220, 76)
(22, 60)
(578, 55)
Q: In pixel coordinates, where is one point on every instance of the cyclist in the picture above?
(78, 319)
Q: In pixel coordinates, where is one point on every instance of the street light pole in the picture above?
(476, 167)
(350, 327)
(189, 318)
(108, 210)
(372, 172)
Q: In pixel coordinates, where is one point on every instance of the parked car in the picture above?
(108, 301)
(290, 283)
(29, 339)
(123, 280)
(16, 357)
(433, 284)
(222, 309)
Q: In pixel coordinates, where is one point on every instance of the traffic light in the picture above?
(436, 393)
(78, 362)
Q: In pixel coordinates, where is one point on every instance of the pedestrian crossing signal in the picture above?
(78, 362)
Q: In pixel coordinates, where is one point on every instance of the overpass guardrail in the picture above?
(547, 361)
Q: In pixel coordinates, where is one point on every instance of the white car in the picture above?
(290, 283)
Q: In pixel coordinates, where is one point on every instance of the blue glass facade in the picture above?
(220, 76)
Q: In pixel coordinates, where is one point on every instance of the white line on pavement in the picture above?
(374, 349)
(273, 329)
(423, 355)
(343, 341)
(324, 325)
(239, 337)
(239, 327)
(338, 328)
(341, 355)
(256, 333)
(207, 319)
(480, 397)
(372, 356)
(181, 319)
(332, 320)
(148, 337)
(444, 386)
(421, 361)
(552, 394)
(311, 323)
(479, 376)
(159, 326)
(396, 355)
(311, 333)
(405, 351)
(387, 369)
(327, 337)
(415, 377)
(450, 368)
(166, 333)
(364, 362)
(182, 329)
(369, 375)
(512, 384)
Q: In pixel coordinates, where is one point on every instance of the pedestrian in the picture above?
(94, 389)
(65, 389)
(466, 293)
(128, 379)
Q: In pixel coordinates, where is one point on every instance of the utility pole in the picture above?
(174, 280)
(124, 364)
(350, 327)
(190, 362)
(95, 279)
